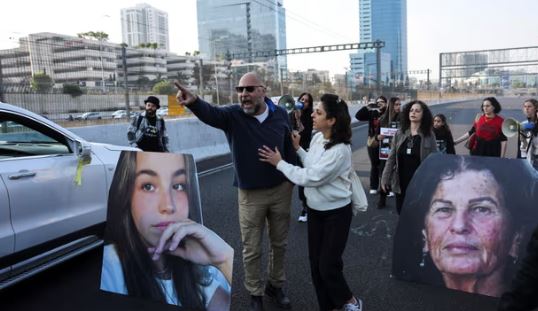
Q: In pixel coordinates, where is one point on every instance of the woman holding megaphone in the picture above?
(486, 137)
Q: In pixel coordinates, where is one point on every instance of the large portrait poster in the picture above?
(156, 246)
(386, 142)
(466, 222)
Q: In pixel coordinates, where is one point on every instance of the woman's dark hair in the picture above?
(518, 194)
(390, 115)
(310, 99)
(426, 123)
(445, 126)
(337, 108)
(306, 115)
(136, 263)
(381, 97)
(494, 102)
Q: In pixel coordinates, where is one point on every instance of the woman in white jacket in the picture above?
(325, 177)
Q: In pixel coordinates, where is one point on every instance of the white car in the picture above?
(162, 112)
(91, 116)
(45, 216)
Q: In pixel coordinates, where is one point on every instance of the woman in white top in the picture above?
(325, 176)
(153, 249)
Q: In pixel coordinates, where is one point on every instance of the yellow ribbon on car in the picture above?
(78, 175)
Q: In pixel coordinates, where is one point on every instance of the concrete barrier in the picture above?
(187, 135)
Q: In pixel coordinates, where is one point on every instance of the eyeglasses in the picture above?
(249, 89)
(380, 101)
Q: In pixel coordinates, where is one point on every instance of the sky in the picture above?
(433, 26)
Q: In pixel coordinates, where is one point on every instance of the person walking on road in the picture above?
(486, 137)
(389, 119)
(301, 121)
(413, 142)
(264, 193)
(147, 130)
(443, 135)
(371, 113)
(325, 176)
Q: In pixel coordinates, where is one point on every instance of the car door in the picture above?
(7, 236)
(38, 167)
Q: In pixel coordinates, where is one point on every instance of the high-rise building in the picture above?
(231, 26)
(143, 24)
(384, 20)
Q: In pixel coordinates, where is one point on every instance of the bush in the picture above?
(164, 88)
(72, 89)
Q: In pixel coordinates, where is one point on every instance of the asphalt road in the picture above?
(367, 259)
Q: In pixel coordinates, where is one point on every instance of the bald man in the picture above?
(264, 194)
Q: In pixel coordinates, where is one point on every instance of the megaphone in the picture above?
(510, 127)
(288, 102)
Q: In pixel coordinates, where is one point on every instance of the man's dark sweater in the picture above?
(245, 134)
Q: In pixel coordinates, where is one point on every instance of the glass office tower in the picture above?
(386, 20)
(239, 26)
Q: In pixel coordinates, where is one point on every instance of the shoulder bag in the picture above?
(359, 201)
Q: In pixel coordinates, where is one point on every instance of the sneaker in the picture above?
(390, 195)
(256, 303)
(302, 217)
(278, 296)
(373, 191)
(353, 306)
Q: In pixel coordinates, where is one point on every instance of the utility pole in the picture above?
(1, 82)
(428, 79)
(249, 32)
(201, 76)
(378, 68)
(125, 80)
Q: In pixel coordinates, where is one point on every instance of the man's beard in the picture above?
(252, 111)
(150, 113)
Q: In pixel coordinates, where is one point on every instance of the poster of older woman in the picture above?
(156, 246)
(465, 223)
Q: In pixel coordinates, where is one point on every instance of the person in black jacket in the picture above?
(371, 113)
(443, 135)
(301, 121)
(264, 193)
(389, 119)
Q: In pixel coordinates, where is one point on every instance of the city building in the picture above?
(143, 24)
(228, 27)
(384, 20)
(65, 59)
(89, 63)
(364, 68)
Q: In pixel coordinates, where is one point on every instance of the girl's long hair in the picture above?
(390, 115)
(341, 130)
(137, 265)
(426, 124)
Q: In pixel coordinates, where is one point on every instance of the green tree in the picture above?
(72, 89)
(41, 83)
(163, 88)
(97, 35)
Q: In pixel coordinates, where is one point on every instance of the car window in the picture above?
(20, 137)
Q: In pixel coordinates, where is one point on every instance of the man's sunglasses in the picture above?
(249, 89)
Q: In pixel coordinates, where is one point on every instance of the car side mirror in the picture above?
(83, 150)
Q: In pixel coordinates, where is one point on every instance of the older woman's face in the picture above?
(159, 196)
(467, 226)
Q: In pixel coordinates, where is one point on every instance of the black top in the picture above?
(306, 120)
(372, 116)
(445, 141)
(150, 140)
(408, 160)
(245, 134)
(522, 296)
